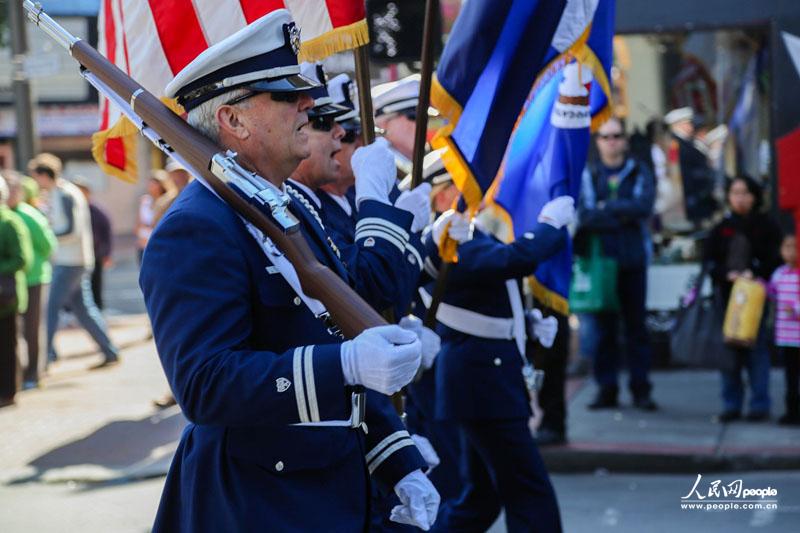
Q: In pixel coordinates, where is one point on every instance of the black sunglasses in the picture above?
(615, 136)
(289, 97)
(350, 136)
(323, 123)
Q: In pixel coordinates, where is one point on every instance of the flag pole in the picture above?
(424, 92)
(419, 144)
(361, 57)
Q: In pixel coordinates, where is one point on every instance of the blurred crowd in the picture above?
(55, 244)
(637, 195)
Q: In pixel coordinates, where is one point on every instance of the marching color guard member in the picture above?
(483, 378)
(272, 443)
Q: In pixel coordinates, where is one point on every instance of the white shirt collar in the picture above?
(342, 201)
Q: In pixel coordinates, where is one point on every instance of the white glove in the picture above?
(559, 212)
(419, 501)
(459, 229)
(431, 343)
(427, 451)
(375, 171)
(544, 329)
(383, 358)
(417, 202)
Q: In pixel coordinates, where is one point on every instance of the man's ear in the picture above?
(229, 122)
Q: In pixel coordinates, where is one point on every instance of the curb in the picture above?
(567, 459)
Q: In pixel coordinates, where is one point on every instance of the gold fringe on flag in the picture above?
(124, 130)
(547, 297)
(444, 102)
(337, 40)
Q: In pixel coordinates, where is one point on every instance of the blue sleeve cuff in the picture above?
(378, 221)
(390, 452)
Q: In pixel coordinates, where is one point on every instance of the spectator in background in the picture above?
(158, 187)
(101, 240)
(15, 257)
(690, 168)
(745, 243)
(38, 277)
(785, 290)
(69, 217)
(30, 190)
(615, 204)
(180, 178)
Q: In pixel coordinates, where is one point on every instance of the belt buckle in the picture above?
(533, 378)
(358, 406)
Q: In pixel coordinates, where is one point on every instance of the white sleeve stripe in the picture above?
(381, 229)
(299, 391)
(391, 226)
(383, 235)
(389, 451)
(388, 226)
(311, 389)
(385, 442)
(416, 255)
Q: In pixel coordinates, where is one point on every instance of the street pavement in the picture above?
(681, 436)
(88, 451)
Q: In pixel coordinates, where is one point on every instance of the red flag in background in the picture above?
(153, 40)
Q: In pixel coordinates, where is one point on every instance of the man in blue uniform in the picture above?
(272, 442)
(395, 105)
(339, 197)
(376, 257)
(483, 378)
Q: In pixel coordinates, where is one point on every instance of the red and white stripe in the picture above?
(153, 40)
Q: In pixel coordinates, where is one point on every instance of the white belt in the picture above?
(470, 322)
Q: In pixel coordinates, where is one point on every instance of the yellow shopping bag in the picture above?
(743, 316)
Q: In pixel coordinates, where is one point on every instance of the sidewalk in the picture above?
(92, 426)
(682, 436)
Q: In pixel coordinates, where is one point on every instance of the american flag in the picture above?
(152, 40)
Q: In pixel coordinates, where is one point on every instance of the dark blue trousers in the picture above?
(501, 469)
(601, 337)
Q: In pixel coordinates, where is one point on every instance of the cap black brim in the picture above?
(326, 110)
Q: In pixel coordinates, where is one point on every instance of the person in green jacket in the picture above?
(38, 276)
(16, 255)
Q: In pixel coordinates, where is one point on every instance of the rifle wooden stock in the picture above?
(346, 308)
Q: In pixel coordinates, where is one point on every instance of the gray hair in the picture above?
(203, 117)
(3, 191)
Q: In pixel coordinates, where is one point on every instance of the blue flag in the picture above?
(547, 151)
(495, 52)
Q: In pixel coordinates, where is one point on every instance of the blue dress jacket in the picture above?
(380, 252)
(246, 360)
(479, 378)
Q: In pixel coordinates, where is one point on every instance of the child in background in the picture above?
(785, 290)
